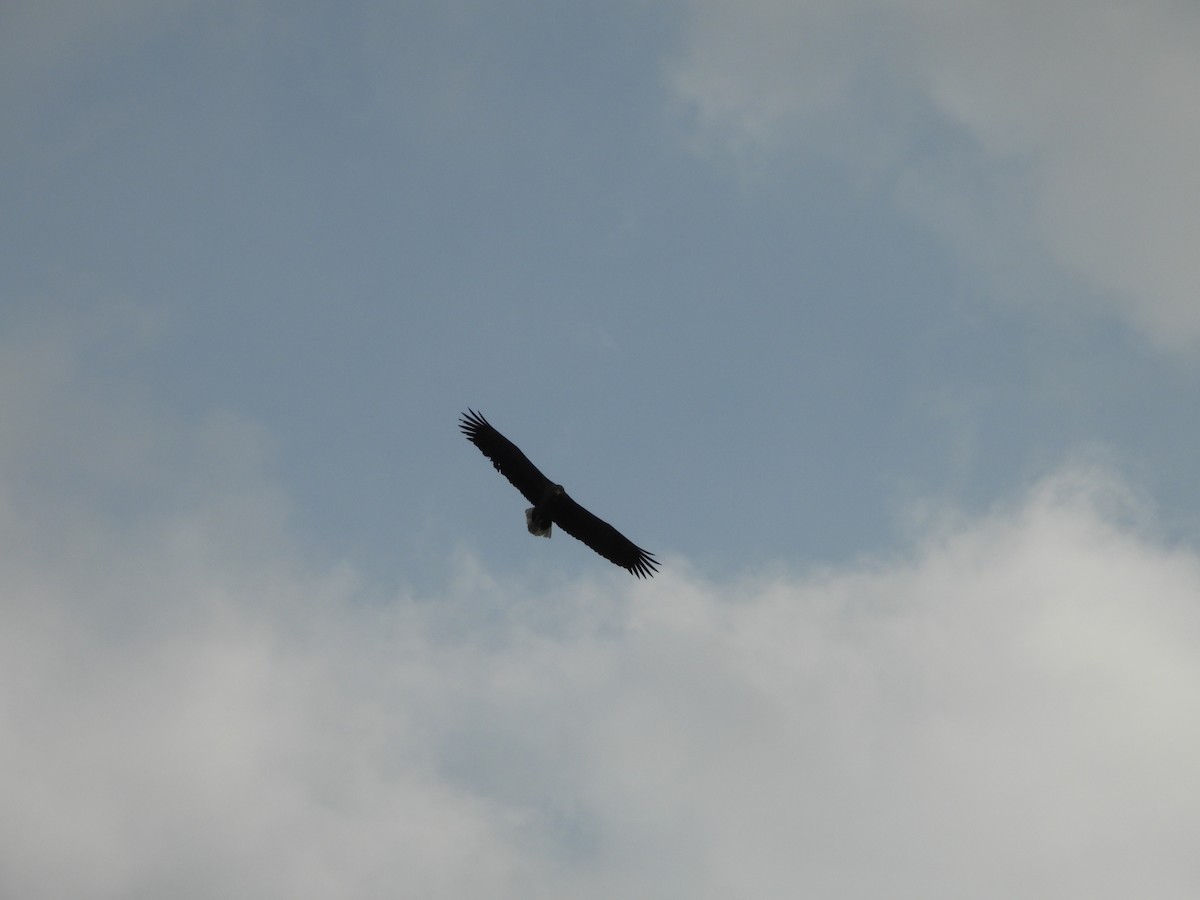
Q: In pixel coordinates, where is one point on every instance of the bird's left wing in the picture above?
(603, 538)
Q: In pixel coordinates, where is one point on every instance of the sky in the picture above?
(876, 321)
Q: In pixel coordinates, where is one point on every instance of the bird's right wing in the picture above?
(505, 456)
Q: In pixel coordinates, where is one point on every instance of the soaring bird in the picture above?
(551, 504)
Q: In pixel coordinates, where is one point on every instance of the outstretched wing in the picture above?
(603, 538)
(505, 456)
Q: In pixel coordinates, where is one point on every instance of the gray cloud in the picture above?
(191, 707)
(1011, 128)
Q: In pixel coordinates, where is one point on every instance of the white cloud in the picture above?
(1083, 109)
(189, 707)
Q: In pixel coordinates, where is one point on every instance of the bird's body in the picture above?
(540, 516)
(551, 504)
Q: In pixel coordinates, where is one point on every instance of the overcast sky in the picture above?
(877, 321)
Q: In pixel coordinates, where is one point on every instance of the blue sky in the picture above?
(875, 321)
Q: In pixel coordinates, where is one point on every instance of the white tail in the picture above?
(533, 528)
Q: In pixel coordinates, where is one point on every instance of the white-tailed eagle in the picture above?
(551, 504)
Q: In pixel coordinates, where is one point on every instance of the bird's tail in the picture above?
(536, 525)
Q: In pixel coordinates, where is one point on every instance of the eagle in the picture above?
(551, 504)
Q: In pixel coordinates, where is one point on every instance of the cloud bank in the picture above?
(192, 707)
(1011, 128)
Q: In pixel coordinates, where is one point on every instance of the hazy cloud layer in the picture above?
(348, 223)
(1069, 128)
(188, 708)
